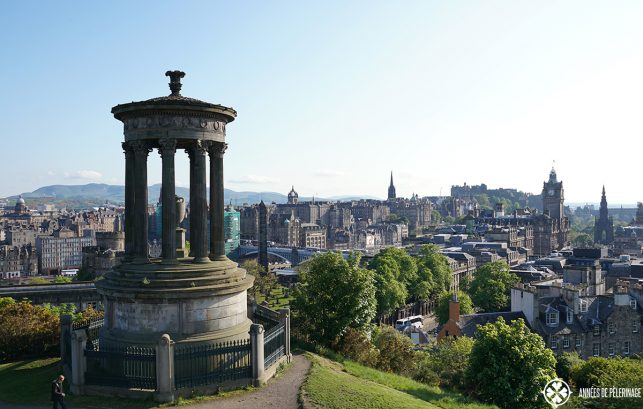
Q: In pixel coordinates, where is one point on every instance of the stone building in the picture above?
(18, 259)
(604, 224)
(312, 235)
(61, 251)
(605, 325)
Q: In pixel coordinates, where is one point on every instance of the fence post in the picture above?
(258, 364)
(65, 339)
(78, 361)
(164, 369)
(284, 317)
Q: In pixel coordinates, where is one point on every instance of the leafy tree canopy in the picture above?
(510, 365)
(333, 294)
(490, 288)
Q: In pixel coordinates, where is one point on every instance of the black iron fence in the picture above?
(196, 365)
(121, 366)
(92, 327)
(274, 344)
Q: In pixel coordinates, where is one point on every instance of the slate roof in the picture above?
(468, 324)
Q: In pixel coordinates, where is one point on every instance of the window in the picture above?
(565, 341)
(635, 326)
(611, 328)
(633, 304)
(610, 348)
(597, 330)
(626, 348)
(553, 343)
(583, 306)
(570, 315)
(596, 349)
(578, 341)
(552, 319)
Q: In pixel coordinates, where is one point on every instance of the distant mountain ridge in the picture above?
(116, 194)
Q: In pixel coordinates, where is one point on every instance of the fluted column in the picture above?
(217, 240)
(198, 203)
(167, 149)
(141, 247)
(129, 201)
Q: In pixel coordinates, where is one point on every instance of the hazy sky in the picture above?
(332, 96)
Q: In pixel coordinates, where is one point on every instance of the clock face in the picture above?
(551, 192)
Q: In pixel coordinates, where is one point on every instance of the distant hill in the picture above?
(100, 193)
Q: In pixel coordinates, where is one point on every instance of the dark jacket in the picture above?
(56, 390)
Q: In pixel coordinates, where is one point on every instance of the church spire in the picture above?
(391, 189)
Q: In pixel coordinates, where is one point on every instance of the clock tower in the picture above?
(553, 196)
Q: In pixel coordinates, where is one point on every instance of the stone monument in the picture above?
(197, 299)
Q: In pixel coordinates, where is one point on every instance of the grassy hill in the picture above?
(334, 385)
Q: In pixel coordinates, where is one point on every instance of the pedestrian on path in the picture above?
(57, 394)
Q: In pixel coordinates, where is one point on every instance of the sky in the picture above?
(332, 96)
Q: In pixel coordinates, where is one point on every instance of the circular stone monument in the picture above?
(198, 298)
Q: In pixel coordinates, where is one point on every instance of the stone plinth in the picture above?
(191, 302)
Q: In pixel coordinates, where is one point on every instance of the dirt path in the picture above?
(281, 393)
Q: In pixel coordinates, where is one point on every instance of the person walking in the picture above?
(57, 394)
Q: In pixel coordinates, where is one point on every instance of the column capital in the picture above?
(167, 146)
(199, 148)
(217, 149)
(139, 147)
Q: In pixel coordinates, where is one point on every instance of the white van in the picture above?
(412, 321)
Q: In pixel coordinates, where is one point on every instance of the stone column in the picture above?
(141, 150)
(217, 239)
(65, 334)
(78, 362)
(129, 201)
(164, 370)
(284, 317)
(256, 341)
(167, 149)
(198, 204)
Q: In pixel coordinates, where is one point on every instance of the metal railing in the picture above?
(196, 365)
(274, 345)
(121, 366)
(266, 317)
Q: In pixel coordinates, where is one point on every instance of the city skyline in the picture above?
(330, 99)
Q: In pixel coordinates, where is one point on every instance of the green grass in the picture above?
(29, 383)
(276, 299)
(334, 385)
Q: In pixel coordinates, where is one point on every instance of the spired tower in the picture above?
(553, 197)
(199, 299)
(604, 225)
(391, 189)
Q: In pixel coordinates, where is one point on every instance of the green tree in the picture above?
(565, 363)
(510, 365)
(395, 272)
(583, 240)
(434, 273)
(491, 286)
(5, 301)
(333, 294)
(442, 307)
(449, 359)
(615, 372)
(62, 280)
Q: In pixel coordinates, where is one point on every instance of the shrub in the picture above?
(26, 330)
(449, 360)
(565, 363)
(355, 345)
(396, 351)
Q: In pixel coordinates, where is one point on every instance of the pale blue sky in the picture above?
(333, 95)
